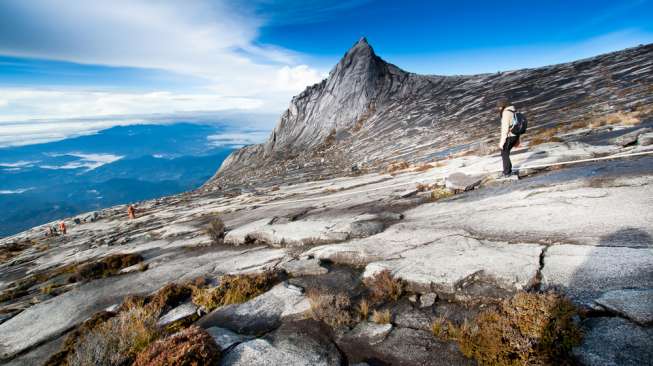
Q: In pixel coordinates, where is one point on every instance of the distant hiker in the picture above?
(131, 212)
(52, 231)
(513, 124)
(62, 228)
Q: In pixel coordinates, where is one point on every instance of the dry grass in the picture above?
(440, 193)
(274, 189)
(11, 250)
(333, 309)
(363, 309)
(526, 329)
(216, 230)
(397, 166)
(105, 267)
(233, 289)
(383, 287)
(381, 316)
(616, 118)
(117, 340)
(546, 135)
(191, 346)
(424, 167)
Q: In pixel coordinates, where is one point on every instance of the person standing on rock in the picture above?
(131, 212)
(62, 228)
(508, 139)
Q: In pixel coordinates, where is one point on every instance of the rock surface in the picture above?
(462, 182)
(636, 305)
(371, 333)
(615, 342)
(304, 267)
(261, 314)
(290, 345)
(225, 338)
(182, 311)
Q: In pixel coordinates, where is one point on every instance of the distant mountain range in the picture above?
(43, 182)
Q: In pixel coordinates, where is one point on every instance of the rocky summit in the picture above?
(373, 228)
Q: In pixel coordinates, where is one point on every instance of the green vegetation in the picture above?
(233, 289)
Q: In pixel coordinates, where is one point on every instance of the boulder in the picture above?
(365, 228)
(614, 342)
(630, 138)
(645, 139)
(636, 305)
(370, 333)
(260, 314)
(294, 344)
(304, 267)
(462, 182)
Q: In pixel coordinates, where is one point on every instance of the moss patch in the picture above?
(527, 329)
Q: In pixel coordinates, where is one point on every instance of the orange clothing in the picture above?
(62, 227)
(131, 212)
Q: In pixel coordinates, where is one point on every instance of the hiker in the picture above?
(508, 138)
(131, 212)
(62, 228)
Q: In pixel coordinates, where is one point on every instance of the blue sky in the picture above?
(79, 66)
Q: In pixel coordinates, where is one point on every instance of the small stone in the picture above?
(462, 182)
(372, 333)
(427, 299)
(305, 267)
(180, 312)
(365, 228)
(412, 298)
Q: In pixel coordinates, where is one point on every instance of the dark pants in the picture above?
(511, 141)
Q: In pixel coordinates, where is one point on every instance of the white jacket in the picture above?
(506, 119)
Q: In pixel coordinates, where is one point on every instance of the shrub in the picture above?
(333, 309)
(168, 297)
(10, 250)
(192, 346)
(105, 267)
(233, 289)
(440, 193)
(423, 167)
(524, 330)
(216, 230)
(397, 166)
(384, 287)
(117, 340)
(381, 316)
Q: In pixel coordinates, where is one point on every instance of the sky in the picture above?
(71, 67)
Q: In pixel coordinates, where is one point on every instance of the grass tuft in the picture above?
(233, 289)
(333, 309)
(191, 346)
(383, 287)
(381, 316)
(527, 329)
(216, 230)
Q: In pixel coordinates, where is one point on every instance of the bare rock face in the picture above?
(368, 113)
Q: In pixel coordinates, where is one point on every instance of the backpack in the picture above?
(518, 124)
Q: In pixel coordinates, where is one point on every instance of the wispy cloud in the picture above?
(86, 161)
(238, 138)
(212, 42)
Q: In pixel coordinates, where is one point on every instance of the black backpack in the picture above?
(518, 124)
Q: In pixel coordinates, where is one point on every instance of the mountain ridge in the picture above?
(368, 110)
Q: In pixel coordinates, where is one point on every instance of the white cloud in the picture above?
(18, 164)
(209, 39)
(15, 191)
(88, 161)
(237, 139)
